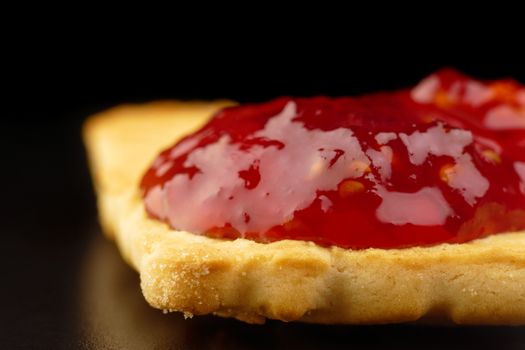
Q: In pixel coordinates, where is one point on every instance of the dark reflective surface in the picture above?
(63, 286)
(112, 313)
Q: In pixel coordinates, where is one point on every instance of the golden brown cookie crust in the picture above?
(481, 282)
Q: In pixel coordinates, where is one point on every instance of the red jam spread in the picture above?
(442, 162)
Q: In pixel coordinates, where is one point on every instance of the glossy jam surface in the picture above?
(442, 162)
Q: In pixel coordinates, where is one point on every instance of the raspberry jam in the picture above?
(442, 162)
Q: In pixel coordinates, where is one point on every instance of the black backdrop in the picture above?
(48, 222)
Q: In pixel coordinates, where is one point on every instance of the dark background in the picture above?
(63, 286)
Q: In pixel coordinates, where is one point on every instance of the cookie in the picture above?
(478, 282)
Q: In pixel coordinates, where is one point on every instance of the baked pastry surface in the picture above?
(480, 282)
